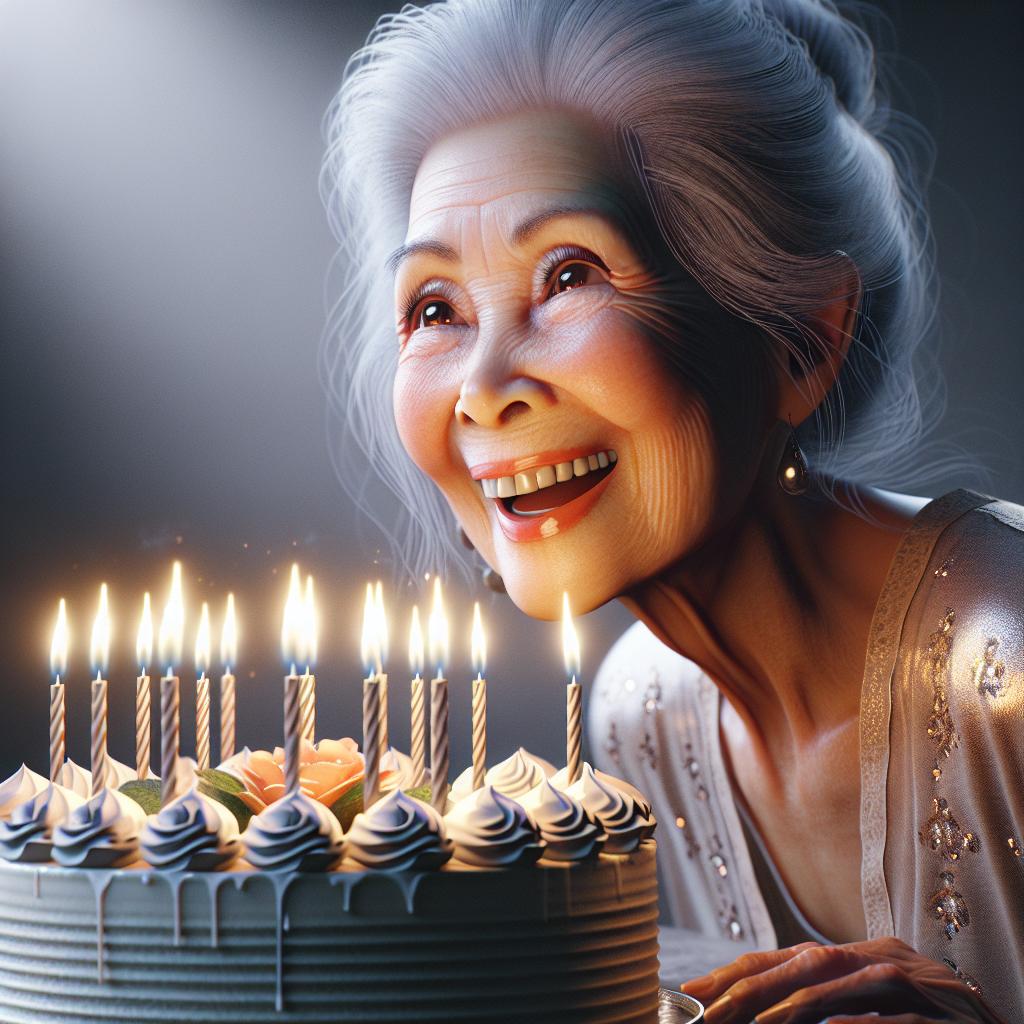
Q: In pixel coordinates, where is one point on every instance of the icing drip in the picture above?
(15, 790)
(192, 833)
(294, 833)
(625, 820)
(102, 833)
(399, 833)
(27, 833)
(491, 830)
(400, 771)
(569, 829)
(512, 777)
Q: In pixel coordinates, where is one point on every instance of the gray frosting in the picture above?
(192, 833)
(399, 833)
(492, 830)
(294, 833)
(570, 831)
(626, 820)
(102, 833)
(27, 833)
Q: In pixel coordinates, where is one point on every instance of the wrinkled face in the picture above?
(536, 384)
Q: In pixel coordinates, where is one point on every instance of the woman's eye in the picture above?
(433, 313)
(571, 275)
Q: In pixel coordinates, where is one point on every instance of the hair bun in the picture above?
(841, 50)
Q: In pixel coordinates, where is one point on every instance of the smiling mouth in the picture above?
(547, 488)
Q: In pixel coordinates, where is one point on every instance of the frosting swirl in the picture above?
(26, 835)
(399, 833)
(490, 830)
(566, 826)
(294, 833)
(399, 771)
(192, 833)
(16, 789)
(513, 777)
(625, 819)
(101, 833)
(76, 778)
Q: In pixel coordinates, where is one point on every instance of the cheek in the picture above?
(424, 398)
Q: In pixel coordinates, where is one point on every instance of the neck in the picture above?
(776, 608)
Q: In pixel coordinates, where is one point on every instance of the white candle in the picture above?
(479, 708)
(381, 622)
(143, 700)
(58, 667)
(99, 653)
(418, 732)
(172, 633)
(229, 658)
(202, 658)
(308, 655)
(573, 695)
(440, 754)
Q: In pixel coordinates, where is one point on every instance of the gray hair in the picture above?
(770, 160)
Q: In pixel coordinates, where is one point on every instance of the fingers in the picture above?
(880, 987)
(711, 986)
(811, 966)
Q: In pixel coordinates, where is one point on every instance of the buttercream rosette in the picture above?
(17, 788)
(568, 829)
(26, 834)
(396, 771)
(492, 830)
(192, 833)
(103, 832)
(399, 833)
(626, 820)
(513, 777)
(296, 833)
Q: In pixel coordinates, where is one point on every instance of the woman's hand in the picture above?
(848, 984)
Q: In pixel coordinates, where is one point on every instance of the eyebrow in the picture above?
(520, 234)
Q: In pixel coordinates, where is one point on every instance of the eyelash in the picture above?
(550, 263)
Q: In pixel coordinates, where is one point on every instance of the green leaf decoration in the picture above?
(222, 787)
(145, 792)
(421, 793)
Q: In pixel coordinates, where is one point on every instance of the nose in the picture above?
(492, 395)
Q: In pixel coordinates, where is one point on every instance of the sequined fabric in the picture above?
(942, 760)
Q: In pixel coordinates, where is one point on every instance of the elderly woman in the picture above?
(649, 282)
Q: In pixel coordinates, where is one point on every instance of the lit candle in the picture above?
(229, 658)
(418, 731)
(293, 647)
(143, 719)
(478, 646)
(202, 651)
(440, 755)
(573, 695)
(382, 676)
(99, 654)
(169, 643)
(58, 667)
(370, 652)
(308, 688)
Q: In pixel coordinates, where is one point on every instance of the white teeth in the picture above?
(526, 483)
(546, 477)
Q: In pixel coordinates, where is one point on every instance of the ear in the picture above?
(805, 381)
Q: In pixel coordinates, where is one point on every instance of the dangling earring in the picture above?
(491, 580)
(793, 468)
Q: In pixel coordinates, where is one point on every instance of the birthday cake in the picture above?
(529, 899)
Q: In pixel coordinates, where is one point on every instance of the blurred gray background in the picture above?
(163, 253)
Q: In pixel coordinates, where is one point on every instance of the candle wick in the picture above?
(293, 668)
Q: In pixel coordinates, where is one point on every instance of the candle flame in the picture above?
(203, 641)
(382, 623)
(310, 625)
(570, 641)
(144, 637)
(99, 642)
(478, 642)
(369, 641)
(59, 643)
(172, 625)
(437, 630)
(415, 643)
(229, 637)
(293, 633)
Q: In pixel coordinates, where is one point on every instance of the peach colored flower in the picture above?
(327, 770)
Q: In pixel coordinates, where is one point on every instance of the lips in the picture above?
(544, 523)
